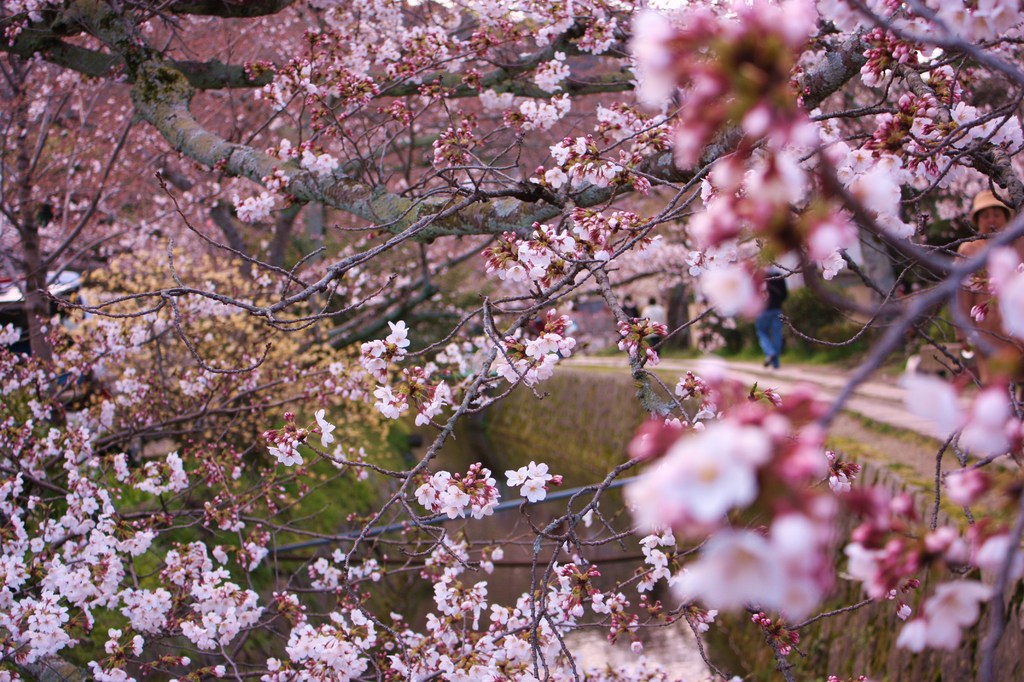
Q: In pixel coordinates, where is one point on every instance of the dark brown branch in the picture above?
(228, 9)
(211, 74)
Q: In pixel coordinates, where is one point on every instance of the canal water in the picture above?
(672, 649)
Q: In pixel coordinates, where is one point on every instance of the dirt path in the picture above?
(875, 426)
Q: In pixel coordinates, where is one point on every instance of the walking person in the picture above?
(629, 307)
(655, 312)
(769, 322)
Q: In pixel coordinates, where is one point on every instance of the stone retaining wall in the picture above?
(587, 434)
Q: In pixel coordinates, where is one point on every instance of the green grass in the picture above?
(905, 435)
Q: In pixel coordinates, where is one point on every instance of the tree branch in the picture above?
(211, 74)
(228, 9)
(161, 94)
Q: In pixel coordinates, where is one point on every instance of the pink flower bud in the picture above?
(965, 487)
(653, 439)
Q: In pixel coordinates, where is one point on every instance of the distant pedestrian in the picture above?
(655, 312)
(629, 307)
(769, 322)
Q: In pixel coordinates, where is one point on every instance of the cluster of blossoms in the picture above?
(532, 481)
(884, 556)
(886, 52)
(322, 165)
(1006, 282)
(38, 627)
(699, 619)
(325, 576)
(414, 387)
(620, 122)
(9, 335)
(220, 612)
(550, 74)
(254, 209)
(576, 586)
(598, 235)
(692, 387)
(540, 259)
(539, 114)
(777, 632)
(987, 426)
(324, 75)
(338, 650)
(449, 494)
(635, 336)
(430, 397)
(765, 454)
(841, 474)
(734, 65)
(657, 559)
(579, 163)
(546, 255)
(156, 478)
(376, 355)
(534, 360)
(284, 442)
(453, 147)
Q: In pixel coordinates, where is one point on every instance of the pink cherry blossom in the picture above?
(953, 607)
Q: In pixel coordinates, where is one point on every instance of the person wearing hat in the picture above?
(989, 215)
(997, 354)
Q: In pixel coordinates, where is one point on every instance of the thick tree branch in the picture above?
(228, 9)
(55, 669)
(161, 93)
(211, 74)
(838, 65)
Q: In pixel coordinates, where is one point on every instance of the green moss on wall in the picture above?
(581, 428)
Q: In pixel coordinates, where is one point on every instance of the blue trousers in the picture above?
(769, 334)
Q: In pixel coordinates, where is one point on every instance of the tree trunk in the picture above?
(36, 306)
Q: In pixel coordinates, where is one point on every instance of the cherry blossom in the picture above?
(254, 209)
(532, 480)
(954, 606)
(458, 173)
(326, 428)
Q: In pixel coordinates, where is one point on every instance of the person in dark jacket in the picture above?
(769, 322)
(629, 307)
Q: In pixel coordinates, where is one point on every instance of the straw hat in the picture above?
(986, 199)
